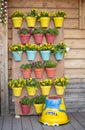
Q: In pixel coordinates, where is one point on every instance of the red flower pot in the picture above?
(39, 73)
(24, 38)
(26, 73)
(25, 109)
(50, 38)
(38, 38)
(50, 72)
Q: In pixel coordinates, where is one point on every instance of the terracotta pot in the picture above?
(26, 73)
(38, 38)
(50, 72)
(50, 38)
(38, 73)
(25, 109)
(24, 38)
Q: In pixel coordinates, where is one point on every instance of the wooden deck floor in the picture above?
(31, 123)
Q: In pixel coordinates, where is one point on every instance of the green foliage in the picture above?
(38, 30)
(46, 82)
(52, 31)
(17, 47)
(26, 66)
(33, 13)
(24, 31)
(17, 13)
(39, 99)
(61, 81)
(37, 64)
(50, 64)
(26, 101)
(32, 82)
(59, 14)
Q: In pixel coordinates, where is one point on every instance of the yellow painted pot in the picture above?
(60, 90)
(17, 91)
(44, 21)
(31, 21)
(58, 21)
(45, 90)
(31, 91)
(17, 22)
(38, 108)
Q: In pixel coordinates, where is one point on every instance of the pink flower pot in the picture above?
(25, 109)
(50, 72)
(24, 38)
(38, 38)
(39, 73)
(26, 73)
(50, 38)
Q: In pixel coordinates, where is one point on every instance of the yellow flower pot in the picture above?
(31, 91)
(17, 22)
(58, 21)
(45, 90)
(60, 90)
(31, 21)
(44, 21)
(17, 91)
(38, 108)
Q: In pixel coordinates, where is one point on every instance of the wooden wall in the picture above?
(74, 37)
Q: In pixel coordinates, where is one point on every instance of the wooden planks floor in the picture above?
(31, 123)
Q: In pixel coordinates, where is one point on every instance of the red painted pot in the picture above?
(24, 38)
(50, 38)
(38, 38)
(50, 72)
(26, 73)
(39, 73)
(25, 109)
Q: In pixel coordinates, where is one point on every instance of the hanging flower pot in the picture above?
(38, 108)
(31, 21)
(17, 55)
(31, 54)
(44, 21)
(26, 73)
(45, 54)
(38, 72)
(38, 38)
(17, 22)
(50, 72)
(17, 91)
(25, 109)
(60, 90)
(45, 90)
(24, 38)
(58, 21)
(59, 55)
(50, 38)
(31, 91)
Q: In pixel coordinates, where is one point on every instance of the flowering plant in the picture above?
(16, 83)
(26, 66)
(31, 47)
(62, 47)
(24, 31)
(38, 64)
(46, 46)
(61, 81)
(43, 14)
(46, 82)
(59, 14)
(32, 82)
(50, 64)
(17, 13)
(33, 13)
(17, 47)
(38, 30)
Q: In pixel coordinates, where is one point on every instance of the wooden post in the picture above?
(4, 69)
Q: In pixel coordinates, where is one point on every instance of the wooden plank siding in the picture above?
(74, 37)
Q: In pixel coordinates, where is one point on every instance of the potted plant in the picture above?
(45, 50)
(60, 50)
(45, 86)
(31, 17)
(44, 18)
(32, 86)
(17, 86)
(24, 35)
(38, 34)
(17, 18)
(17, 51)
(39, 102)
(25, 104)
(38, 67)
(26, 70)
(50, 34)
(60, 85)
(31, 51)
(50, 67)
(58, 18)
